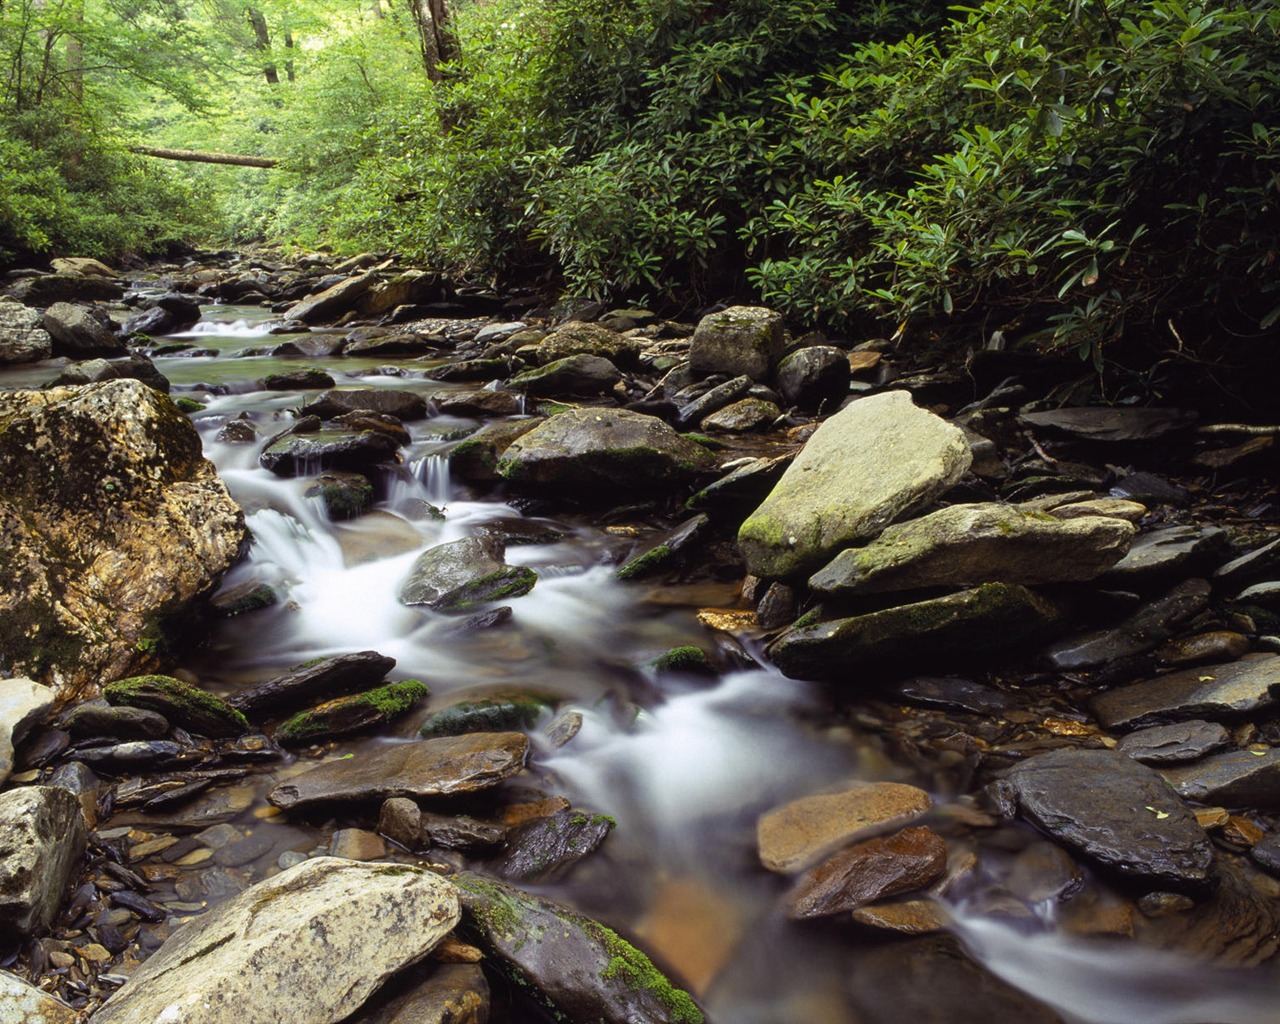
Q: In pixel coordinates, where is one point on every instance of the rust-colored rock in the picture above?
(870, 871)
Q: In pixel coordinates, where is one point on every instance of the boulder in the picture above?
(457, 576)
(196, 710)
(579, 374)
(331, 303)
(408, 288)
(78, 333)
(546, 849)
(93, 371)
(83, 266)
(42, 839)
(21, 1003)
(402, 344)
(344, 715)
(446, 766)
(1116, 812)
(476, 458)
(298, 380)
(343, 450)
(742, 416)
(574, 967)
(47, 289)
(869, 464)
(113, 525)
(578, 337)
(22, 702)
(992, 617)
(815, 377)
(307, 946)
(746, 340)
(611, 449)
(478, 403)
(23, 339)
(968, 544)
(1246, 687)
(343, 495)
(403, 405)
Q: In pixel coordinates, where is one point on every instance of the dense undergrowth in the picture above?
(1072, 173)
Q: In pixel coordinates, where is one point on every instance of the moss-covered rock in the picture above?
(745, 340)
(484, 716)
(579, 374)
(344, 495)
(189, 706)
(351, 714)
(686, 660)
(459, 575)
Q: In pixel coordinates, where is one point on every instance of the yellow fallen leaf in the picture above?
(1158, 814)
(1206, 679)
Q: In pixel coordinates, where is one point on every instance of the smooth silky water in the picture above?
(683, 765)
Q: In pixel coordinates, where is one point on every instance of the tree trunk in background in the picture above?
(288, 64)
(263, 42)
(435, 38)
(236, 159)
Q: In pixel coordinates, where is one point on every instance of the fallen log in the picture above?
(195, 156)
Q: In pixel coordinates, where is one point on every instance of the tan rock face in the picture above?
(111, 521)
(793, 836)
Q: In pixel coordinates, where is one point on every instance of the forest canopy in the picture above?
(1073, 172)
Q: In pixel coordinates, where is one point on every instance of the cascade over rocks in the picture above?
(869, 464)
(112, 523)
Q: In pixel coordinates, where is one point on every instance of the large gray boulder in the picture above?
(579, 337)
(579, 374)
(613, 449)
(21, 703)
(307, 946)
(739, 340)
(78, 333)
(23, 339)
(47, 289)
(112, 523)
(42, 838)
(333, 302)
(462, 574)
(869, 464)
(986, 543)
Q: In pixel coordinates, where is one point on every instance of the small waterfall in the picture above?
(433, 471)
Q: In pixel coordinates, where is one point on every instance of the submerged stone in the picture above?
(484, 716)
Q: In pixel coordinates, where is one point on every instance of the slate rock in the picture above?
(712, 400)
(952, 693)
(1111, 424)
(298, 380)
(459, 575)
(93, 371)
(48, 289)
(22, 703)
(344, 715)
(478, 403)
(197, 710)
(742, 416)
(660, 556)
(1168, 552)
(744, 486)
(573, 966)
(1170, 744)
(869, 871)
(401, 344)
(312, 682)
(475, 459)
(871, 463)
(793, 836)
(992, 617)
(484, 716)
(331, 303)
(308, 946)
(23, 339)
(1237, 778)
(983, 543)
(1244, 687)
(1115, 812)
(42, 839)
(99, 718)
(1258, 564)
(1266, 854)
(343, 495)
(740, 340)
(1217, 645)
(423, 768)
(546, 849)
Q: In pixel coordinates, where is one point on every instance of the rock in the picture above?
(1169, 552)
(478, 403)
(474, 369)
(744, 486)
(793, 836)
(22, 703)
(357, 844)
(430, 993)
(304, 454)
(78, 333)
(1237, 778)
(742, 417)
(83, 266)
(21, 1003)
(314, 681)
(574, 967)
(22, 338)
(869, 464)
(1266, 853)
(1111, 424)
(47, 289)
(308, 946)
(134, 754)
(330, 304)
(612, 449)
(579, 337)
(905, 917)
(343, 495)
(992, 617)
(438, 767)
(952, 693)
(407, 288)
(484, 716)
(816, 377)
(712, 400)
(870, 871)
(306, 379)
(462, 832)
(1261, 563)
(345, 715)
(574, 375)
(42, 838)
(661, 556)
(546, 849)
(92, 371)
(1116, 812)
(1245, 687)
(100, 719)
(1217, 645)
(741, 340)
(457, 576)
(1169, 744)
(400, 820)
(1150, 490)
(1146, 629)
(476, 458)
(108, 484)
(404, 405)
(403, 344)
(1116, 508)
(968, 544)
(194, 709)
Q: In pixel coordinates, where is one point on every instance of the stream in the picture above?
(684, 764)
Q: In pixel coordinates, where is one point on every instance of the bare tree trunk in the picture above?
(288, 64)
(262, 42)
(196, 156)
(435, 37)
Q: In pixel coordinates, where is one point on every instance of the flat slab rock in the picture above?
(869, 464)
(1239, 688)
(870, 871)
(445, 766)
(1170, 744)
(793, 836)
(1120, 814)
(307, 946)
(1111, 424)
(1237, 778)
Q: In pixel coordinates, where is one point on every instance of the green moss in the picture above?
(189, 404)
(195, 709)
(484, 716)
(682, 659)
(395, 698)
(810, 618)
(650, 561)
(628, 965)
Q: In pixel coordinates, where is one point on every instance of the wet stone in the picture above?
(22, 701)
(1203, 648)
(484, 716)
(314, 681)
(1245, 687)
(400, 820)
(1167, 552)
(951, 693)
(98, 718)
(1266, 853)
(793, 836)
(357, 844)
(1110, 423)
(133, 753)
(869, 871)
(1237, 778)
(42, 838)
(1113, 811)
(564, 728)
(1262, 563)
(461, 574)
(1044, 871)
(661, 556)
(304, 454)
(181, 703)
(546, 849)
(1170, 744)
(462, 832)
(430, 993)
(244, 850)
(344, 715)
(908, 917)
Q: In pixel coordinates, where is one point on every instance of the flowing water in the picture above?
(684, 765)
